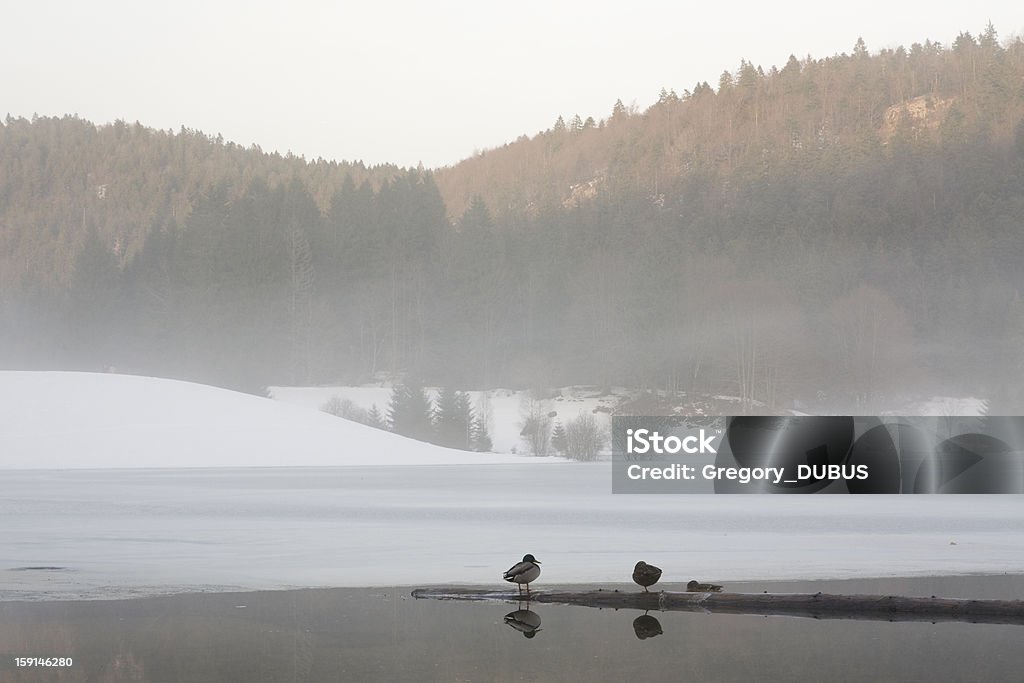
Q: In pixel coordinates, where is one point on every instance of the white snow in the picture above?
(90, 420)
(943, 406)
(505, 406)
(386, 510)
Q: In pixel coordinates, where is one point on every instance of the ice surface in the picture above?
(135, 532)
(71, 420)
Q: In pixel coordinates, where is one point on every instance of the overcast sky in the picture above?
(410, 81)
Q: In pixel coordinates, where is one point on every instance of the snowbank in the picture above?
(86, 420)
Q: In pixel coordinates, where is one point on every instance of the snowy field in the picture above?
(71, 420)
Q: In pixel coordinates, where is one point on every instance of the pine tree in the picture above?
(95, 302)
(453, 419)
(860, 50)
(619, 111)
(725, 82)
(477, 216)
(481, 440)
(375, 419)
(411, 412)
(558, 441)
(301, 305)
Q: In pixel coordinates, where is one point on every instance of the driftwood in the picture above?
(813, 605)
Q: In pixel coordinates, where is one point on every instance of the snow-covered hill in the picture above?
(84, 420)
(504, 407)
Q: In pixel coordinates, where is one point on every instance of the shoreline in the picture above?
(130, 594)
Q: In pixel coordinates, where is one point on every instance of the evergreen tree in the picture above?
(410, 412)
(453, 419)
(95, 308)
(619, 111)
(375, 419)
(558, 439)
(481, 439)
(725, 82)
(301, 306)
(860, 50)
(477, 216)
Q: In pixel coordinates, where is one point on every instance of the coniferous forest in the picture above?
(836, 231)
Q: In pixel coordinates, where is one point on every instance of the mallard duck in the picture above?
(523, 572)
(524, 621)
(646, 574)
(698, 587)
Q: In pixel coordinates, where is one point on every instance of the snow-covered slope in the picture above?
(83, 420)
(504, 406)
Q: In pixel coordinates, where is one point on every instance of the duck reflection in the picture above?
(645, 626)
(525, 621)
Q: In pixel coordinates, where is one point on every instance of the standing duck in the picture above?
(646, 574)
(523, 572)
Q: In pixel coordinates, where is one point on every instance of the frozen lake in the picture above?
(122, 533)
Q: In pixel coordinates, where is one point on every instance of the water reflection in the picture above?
(386, 635)
(645, 626)
(525, 621)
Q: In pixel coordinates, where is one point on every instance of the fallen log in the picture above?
(812, 605)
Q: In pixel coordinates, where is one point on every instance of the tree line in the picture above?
(831, 234)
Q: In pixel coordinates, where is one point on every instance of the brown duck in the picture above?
(646, 574)
(698, 587)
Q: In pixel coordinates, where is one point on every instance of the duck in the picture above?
(645, 626)
(524, 621)
(698, 587)
(646, 574)
(524, 572)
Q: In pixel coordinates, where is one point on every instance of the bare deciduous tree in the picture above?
(584, 438)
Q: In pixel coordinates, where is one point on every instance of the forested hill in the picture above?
(838, 231)
(760, 124)
(62, 177)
